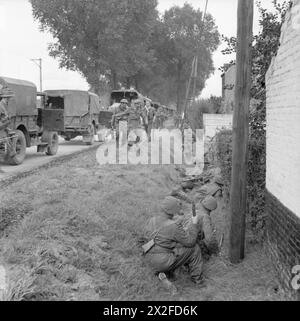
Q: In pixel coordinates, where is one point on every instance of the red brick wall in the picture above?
(283, 241)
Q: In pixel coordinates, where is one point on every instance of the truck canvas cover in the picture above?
(24, 101)
(76, 102)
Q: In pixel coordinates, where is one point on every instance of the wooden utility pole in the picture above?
(238, 193)
(38, 62)
(192, 84)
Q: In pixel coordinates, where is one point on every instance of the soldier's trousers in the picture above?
(149, 129)
(191, 257)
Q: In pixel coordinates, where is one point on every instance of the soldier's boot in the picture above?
(168, 285)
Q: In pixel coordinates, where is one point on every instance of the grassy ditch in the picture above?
(72, 232)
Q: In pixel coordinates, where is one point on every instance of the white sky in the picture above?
(21, 41)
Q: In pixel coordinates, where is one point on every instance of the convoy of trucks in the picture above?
(39, 118)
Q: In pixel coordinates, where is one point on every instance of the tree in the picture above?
(107, 41)
(183, 37)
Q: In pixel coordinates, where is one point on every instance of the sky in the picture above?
(21, 41)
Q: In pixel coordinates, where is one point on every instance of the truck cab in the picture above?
(28, 125)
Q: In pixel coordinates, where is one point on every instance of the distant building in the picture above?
(228, 81)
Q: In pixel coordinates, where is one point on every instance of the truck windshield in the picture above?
(55, 103)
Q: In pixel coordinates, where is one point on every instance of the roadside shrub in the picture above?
(222, 157)
(255, 176)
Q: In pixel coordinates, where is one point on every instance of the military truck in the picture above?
(81, 111)
(29, 125)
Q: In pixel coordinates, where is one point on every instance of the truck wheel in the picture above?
(20, 149)
(52, 139)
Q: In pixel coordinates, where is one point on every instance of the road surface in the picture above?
(34, 159)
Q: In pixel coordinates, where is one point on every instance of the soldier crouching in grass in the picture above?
(172, 245)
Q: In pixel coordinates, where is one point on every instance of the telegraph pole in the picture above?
(38, 62)
(238, 193)
(190, 96)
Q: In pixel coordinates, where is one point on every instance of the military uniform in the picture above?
(150, 114)
(159, 118)
(177, 119)
(135, 123)
(120, 115)
(174, 246)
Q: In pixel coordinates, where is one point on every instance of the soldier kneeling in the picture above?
(172, 244)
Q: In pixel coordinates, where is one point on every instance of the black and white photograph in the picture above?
(149, 153)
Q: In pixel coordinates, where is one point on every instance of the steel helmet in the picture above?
(125, 101)
(171, 205)
(209, 203)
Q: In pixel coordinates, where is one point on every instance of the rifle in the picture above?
(124, 113)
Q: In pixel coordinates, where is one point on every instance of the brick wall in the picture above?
(283, 151)
(213, 122)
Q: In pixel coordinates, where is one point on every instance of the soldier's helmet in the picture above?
(6, 93)
(210, 203)
(171, 205)
(124, 101)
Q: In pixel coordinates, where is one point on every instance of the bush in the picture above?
(223, 157)
(203, 106)
(255, 176)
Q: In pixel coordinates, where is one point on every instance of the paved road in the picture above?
(34, 159)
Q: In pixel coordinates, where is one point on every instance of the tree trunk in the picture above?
(178, 96)
(136, 83)
(114, 80)
(128, 82)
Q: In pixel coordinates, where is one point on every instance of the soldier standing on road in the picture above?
(136, 120)
(149, 114)
(159, 118)
(120, 114)
(171, 245)
(177, 119)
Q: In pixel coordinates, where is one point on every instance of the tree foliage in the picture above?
(105, 40)
(184, 35)
(125, 42)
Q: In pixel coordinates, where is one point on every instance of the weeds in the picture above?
(75, 236)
